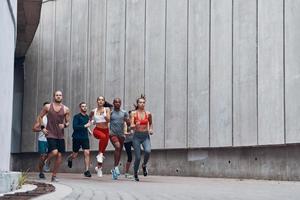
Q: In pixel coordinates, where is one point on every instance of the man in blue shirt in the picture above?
(118, 118)
(80, 137)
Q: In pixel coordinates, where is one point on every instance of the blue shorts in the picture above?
(43, 147)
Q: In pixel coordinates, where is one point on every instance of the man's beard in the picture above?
(57, 101)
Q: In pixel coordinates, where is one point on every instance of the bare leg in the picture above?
(86, 159)
(73, 155)
(127, 166)
(57, 163)
(43, 157)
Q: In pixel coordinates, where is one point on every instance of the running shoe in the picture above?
(99, 171)
(114, 175)
(54, 179)
(128, 176)
(145, 170)
(42, 175)
(70, 163)
(46, 167)
(136, 178)
(87, 173)
(100, 158)
(117, 171)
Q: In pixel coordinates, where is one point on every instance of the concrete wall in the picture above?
(8, 17)
(215, 73)
(275, 163)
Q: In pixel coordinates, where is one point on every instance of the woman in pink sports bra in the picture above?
(101, 117)
(141, 124)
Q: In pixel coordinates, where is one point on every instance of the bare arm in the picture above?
(107, 117)
(37, 125)
(150, 123)
(67, 118)
(38, 122)
(132, 124)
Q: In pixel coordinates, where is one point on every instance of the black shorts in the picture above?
(80, 143)
(58, 144)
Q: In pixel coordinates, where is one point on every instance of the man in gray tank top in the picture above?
(58, 116)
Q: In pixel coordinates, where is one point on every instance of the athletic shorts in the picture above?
(43, 147)
(80, 143)
(58, 144)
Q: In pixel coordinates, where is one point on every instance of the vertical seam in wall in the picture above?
(209, 77)
(284, 89)
(257, 128)
(232, 73)
(105, 49)
(125, 35)
(70, 62)
(88, 40)
(165, 73)
(187, 76)
(53, 45)
(145, 37)
(37, 78)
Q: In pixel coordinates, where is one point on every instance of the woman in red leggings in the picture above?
(101, 117)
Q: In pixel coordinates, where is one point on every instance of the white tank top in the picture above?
(99, 118)
(42, 136)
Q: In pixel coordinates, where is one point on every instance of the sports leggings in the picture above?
(102, 134)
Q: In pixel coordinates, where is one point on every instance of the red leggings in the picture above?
(102, 134)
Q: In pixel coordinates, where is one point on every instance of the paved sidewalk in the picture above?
(75, 186)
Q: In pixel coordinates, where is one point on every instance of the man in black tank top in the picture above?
(58, 116)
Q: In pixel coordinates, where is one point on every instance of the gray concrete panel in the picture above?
(244, 73)
(135, 48)
(271, 163)
(7, 49)
(155, 68)
(96, 60)
(28, 138)
(45, 70)
(62, 53)
(79, 57)
(198, 74)
(176, 74)
(270, 73)
(221, 74)
(292, 70)
(115, 50)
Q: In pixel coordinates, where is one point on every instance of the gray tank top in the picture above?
(55, 118)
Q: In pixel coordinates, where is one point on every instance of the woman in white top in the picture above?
(101, 117)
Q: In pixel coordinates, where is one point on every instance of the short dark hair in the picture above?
(46, 102)
(81, 103)
(56, 92)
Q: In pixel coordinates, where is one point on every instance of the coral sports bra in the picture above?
(137, 118)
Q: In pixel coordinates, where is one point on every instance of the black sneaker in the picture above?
(70, 162)
(87, 173)
(42, 175)
(145, 170)
(136, 178)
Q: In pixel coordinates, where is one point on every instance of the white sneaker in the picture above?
(99, 171)
(117, 171)
(100, 158)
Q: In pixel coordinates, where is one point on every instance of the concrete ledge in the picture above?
(269, 162)
(9, 181)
